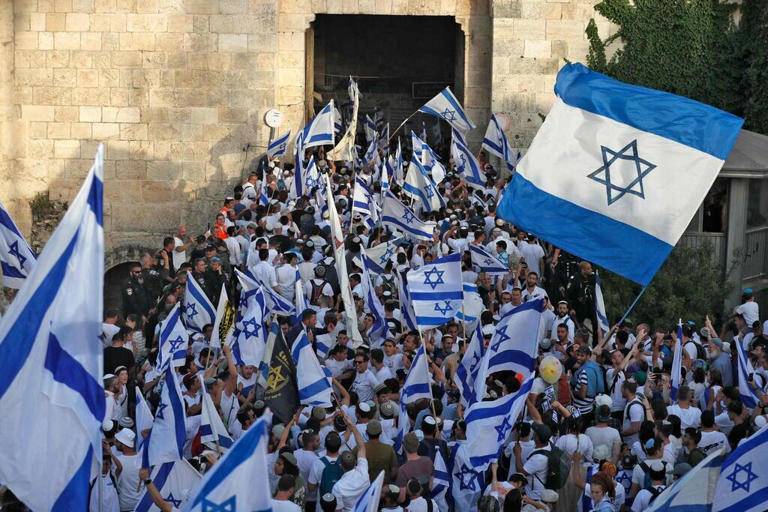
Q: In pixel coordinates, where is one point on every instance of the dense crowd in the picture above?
(618, 438)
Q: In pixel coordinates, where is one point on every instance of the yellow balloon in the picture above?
(550, 369)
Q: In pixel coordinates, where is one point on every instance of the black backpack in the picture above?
(557, 468)
(700, 354)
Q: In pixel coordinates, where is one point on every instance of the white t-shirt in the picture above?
(713, 440)
(365, 385)
(128, 481)
(643, 498)
(536, 293)
(569, 444)
(420, 505)
(536, 468)
(305, 460)
(634, 411)
(604, 436)
(618, 401)
(690, 417)
(179, 257)
(111, 501)
(532, 254)
(316, 475)
(284, 506)
(351, 485)
(750, 311)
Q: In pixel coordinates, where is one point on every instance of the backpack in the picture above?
(700, 354)
(654, 493)
(332, 473)
(388, 284)
(595, 378)
(630, 404)
(647, 484)
(557, 468)
(317, 291)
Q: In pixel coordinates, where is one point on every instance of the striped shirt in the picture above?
(584, 405)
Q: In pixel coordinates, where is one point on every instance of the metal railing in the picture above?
(756, 253)
(716, 240)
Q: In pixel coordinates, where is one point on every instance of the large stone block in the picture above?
(537, 49)
(233, 42)
(146, 22)
(103, 131)
(77, 22)
(37, 113)
(566, 29)
(90, 114)
(529, 29)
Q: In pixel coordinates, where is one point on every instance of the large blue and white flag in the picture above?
(441, 482)
(371, 154)
(169, 431)
(239, 481)
(51, 362)
(466, 164)
(301, 301)
(495, 142)
(677, 364)
(473, 305)
(436, 291)
(417, 386)
(487, 262)
(749, 396)
(274, 302)
(428, 159)
(398, 163)
(369, 500)
(515, 342)
(173, 341)
(311, 176)
(467, 481)
(16, 256)
(278, 146)
(420, 186)
(379, 328)
(386, 174)
(617, 166)
(743, 482)
(468, 367)
(362, 200)
(380, 254)
(144, 418)
(406, 307)
(695, 490)
(319, 131)
(314, 388)
(338, 121)
(447, 107)
(370, 129)
(198, 310)
(175, 481)
(213, 433)
(602, 317)
(396, 215)
(249, 336)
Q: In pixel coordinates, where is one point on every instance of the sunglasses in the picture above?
(359, 362)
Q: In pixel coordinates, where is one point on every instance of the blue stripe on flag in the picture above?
(67, 370)
(696, 125)
(75, 494)
(512, 356)
(314, 388)
(459, 110)
(178, 411)
(9, 271)
(414, 389)
(437, 295)
(623, 249)
(159, 480)
(202, 300)
(96, 199)
(432, 320)
(405, 227)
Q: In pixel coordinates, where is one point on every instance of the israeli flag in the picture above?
(427, 157)
(16, 256)
(384, 139)
(742, 485)
(279, 146)
(447, 107)
(371, 154)
(472, 306)
(305, 179)
(274, 302)
(314, 388)
(602, 318)
(370, 129)
(198, 310)
(398, 163)
(677, 361)
(169, 431)
(296, 188)
(406, 307)
(514, 345)
(441, 482)
(468, 367)
(424, 131)
(749, 396)
(302, 303)
(379, 328)
(319, 131)
(386, 173)
(338, 121)
(495, 142)
(617, 166)
(322, 206)
(436, 291)
(51, 362)
(213, 433)
(311, 176)
(249, 336)
(175, 481)
(144, 418)
(239, 481)
(417, 386)
(379, 255)
(362, 199)
(467, 165)
(695, 490)
(397, 216)
(420, 186)
(487, 262)
(369, 500)
(174, 341)
(467, 481)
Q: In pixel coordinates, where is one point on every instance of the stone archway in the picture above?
(116, 263)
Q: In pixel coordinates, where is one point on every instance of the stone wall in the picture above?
(177, 90)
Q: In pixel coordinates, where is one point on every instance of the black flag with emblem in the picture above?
(281, 394)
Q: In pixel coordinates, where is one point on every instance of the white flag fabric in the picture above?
(397, 216)
(369, 500)
(221, 310)
(175, 481)
(441, 482)
(436, 291)
(212, 430)
(695, 490)
(344, 149)
(301, 301)
(274, 303)
(466, 164)
(144, 418)
(362, 200)
(379, 328)
(468, 482)
(278, 146)
(420, 186)
(472, 306)
(16, 257)
(406, 307)
(742, 485)
(239, 481)
(495, 142)
(416, 386)
(677, 361)
(51, 362)
(198, 310)
(748, 396)
(370, 129)
(514, 345)
(447, 107)
(602, 317)
(249, 336)
(174, 341)
(319, 131)
(314, 388)
(380, 254)
(169, 430)
(487, 262)
(468, 367)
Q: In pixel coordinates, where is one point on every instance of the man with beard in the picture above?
(134, 293)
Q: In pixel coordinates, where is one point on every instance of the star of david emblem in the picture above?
(473, 475)
(175, 344)
(160, 409)
(503, 429)
(311, 181)
(251, 328)
(624, 479)
(408, 217)
(170, 499)
(603, 176)
(190, 310)
(243, 301)
(438, 277)
(733, 477)
(463, 159)
(449, 115)
(14, 251)
(227, 505)
(502, 337)
(488, 261)
(430, 191)
(387, 254)
(443, 309)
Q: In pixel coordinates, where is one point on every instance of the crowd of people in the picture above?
(609, 414)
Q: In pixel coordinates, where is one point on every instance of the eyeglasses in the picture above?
(359, 362)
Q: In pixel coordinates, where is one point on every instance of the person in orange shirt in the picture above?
(220, 229)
